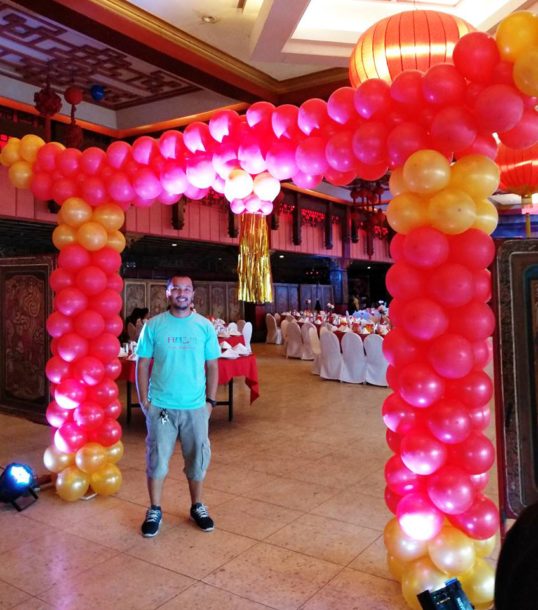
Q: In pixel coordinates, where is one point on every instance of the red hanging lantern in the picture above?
(411, 40)
(519, 170)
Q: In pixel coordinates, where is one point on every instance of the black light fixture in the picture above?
(449, 597)
(17, 486)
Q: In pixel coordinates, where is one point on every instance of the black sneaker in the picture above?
(152, 524)
(201, 517)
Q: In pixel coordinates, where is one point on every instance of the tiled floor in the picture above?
(295, 488)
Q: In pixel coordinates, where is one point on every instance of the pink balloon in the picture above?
(453, 129)
(224, 123)
(118, 153)
(475, 455)
(120, 188)
(479, 416)
(473, 248)
(452, 285)
(250, 155)
(339, 153)
(474, 389)
(113, 368)
(237, 206)
(168, 198)
(339, 178)
(369, 143)
(443, 85)
(70, 301)
(103, 392)
(260, 114)
(372, 98)
(41, 185)
(68, 161)
(89, 324)
(306, 181)
(393, 441)
(482, 145)
(107, 303)
(481, 521)
(57, 369)
(144, 150)
(90, 280)
(424, 319)
(310, 156)
(392, 377)
(107, 434)
(406, 89)
(46, 158)
(400, 480)
(252, 204)
(69, 437)
(482, 285)
(171, 145)
(173, 177)
(200, 170)
(426, 247)
(105, 347)
(396, 311)
(391, 500)
(418, 517)
(340, 105)
(475, 56)
(448, 420)
(146, 184)
(524, 133)
(403, 140)
(422, 453)
(419, 385)
(451, 490)
(482, 353)
(114, 326)
(60, 278)
(498, 108)
(56, 416)
(58, 324)
(451, 356)
(197, 137)
(107, 259)
(397, 247)
(71, 347)
(284, 121)
(113, 410)
(195, 193)
(400, 349)
(92, 160)
(89, 369)
(399, 416)
(94, 191)
(69, 393)
(312, 116)
(63, 189)
(266, 207)
(88, 416)
(371, 172)
(480, 481)
(225, 159)
(475, 321)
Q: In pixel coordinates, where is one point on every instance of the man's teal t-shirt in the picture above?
(179, 348)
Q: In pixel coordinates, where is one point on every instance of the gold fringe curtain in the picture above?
(254, 267)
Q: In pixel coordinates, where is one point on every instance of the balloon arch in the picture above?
(443, 523)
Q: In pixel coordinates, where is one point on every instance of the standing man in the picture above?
(179, 398)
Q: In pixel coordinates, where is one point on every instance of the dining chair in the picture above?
(331, 356)
(277, 319)
(316, 349)
(240, 325)
(294, 341)
(376, 363)
(284, 332)
(307, 354)
(273, 333)
(232, 326)
(353, 359)
(247, 334)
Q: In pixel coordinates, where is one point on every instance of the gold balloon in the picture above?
(397, 184)
(10, 152)
(107, 480)
(20, 174)
(72, 484)
(400, 545)
(426, 172)
(525, 72)
(30, 144)
(56, 460)
(397, 567)
(420, 575)
(477, 175)
(90, 457)
(114, 453)
(92, 236)
(485, 547)
(516, 34)
(63, 235)
(479, 582)
(75, 211)
(452, 211)
(452, 551)
(407, 212)
(116, 241)
(487, 216)
(110, 215)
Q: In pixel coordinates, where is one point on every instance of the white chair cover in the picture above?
(294, 341)
(277, 318)
(273, 333)
(284, 331)
(307, 348)
(331, 357)
(247, 335)
(316, 349)
(232, 326)
(240, 325)
(353, 359)
(376, 364)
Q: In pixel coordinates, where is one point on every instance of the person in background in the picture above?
(179, 398)
(136, 321)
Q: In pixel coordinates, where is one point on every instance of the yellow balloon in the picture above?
(452, 211)
(487, 217)
(407, 212)
(63, 235)
(452, 551)
(426, 172)
(115, 452)
(92, 236)
(20, 174)
(485, 547)
(420, 575)
(525, 72)
(56, 460)
(400, 545)
(10, 152)
(107, 480)
(72, 484)
(396, 182)
(30, 144)
(479, 582)
(515, 34)
(90, 457)
(110, 215)
(75, 211)
(116, 241)
(397, 567)
(477, 175)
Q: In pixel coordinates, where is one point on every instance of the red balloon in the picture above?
(306, 181)
(339, 178)
(106, 347)
(146, 184)
(70, 393)
(371, 172)
(443, 85)
(46, 157)
(108, 303)
(118, 153)
(108, 433)
(482, 352)
(56, 369)
(480, 481)
(451, 356)
(481, 521)
(372, 98)
(392, 377)
(419, 385)
(397, 247)
(403, 140)
(114, 325)
(94, 191)
(221, 125)
(310, 156)
(195, 193)
(426, 247)
(91, 280)
(284, 122)
(113, 368)
(400, 479)
(484, 144)
(406, 89)
(453, 129)
(89, 324)
(107, 259)
(480, 417)
(475, 321)
(399, 416)
(68, 161)
(475, 56)
(473, 248)
(498, 108)
(393, 441)
(423, 319)
(104, 392)
(399, 349)
(422, 453)
(391, 500)
(338, 152)
(451, 490)
(524, 134)
(63, 189)
(448, 420)
(482, 285)
(113, 409)
(418, 517)
(369, 143)
(144, 150)
(120, 188)
(92, 160)
(475, 455)
(197, 137)
(396, 312)
(58, 324)
(71, 347)
(89, 416)
(70, 301)
(89, 369)
(452, 285)
(340, 105)
(474, 389)
(73, 257)
(114, 282)
(69, 437)
(41, 186)
(56, 416)
(312, 116)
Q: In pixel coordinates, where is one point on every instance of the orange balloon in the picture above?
(116, 241)
(30, 144)
(396, 567)
(92, 236)
(452, 551)
(485, 547)
(400, 545)
(426, 172)
(525, 72)
(90, 457)
(479, 582)
(75, 211)
(10, 152)
(20, 174)
(407, 212)
(107, 480)
(397, 184)
(516, 34)
(72, 484)
(63, 235)
(420, 575)
(452, 211)
(487, 216)
(477, 175)
(56, 460)
(114, 453)
(110, 215)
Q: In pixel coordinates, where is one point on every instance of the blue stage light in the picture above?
(17, 486)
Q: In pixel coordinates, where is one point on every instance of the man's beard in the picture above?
(180, 306)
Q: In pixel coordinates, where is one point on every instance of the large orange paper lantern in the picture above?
(519, 170)
(412, 40)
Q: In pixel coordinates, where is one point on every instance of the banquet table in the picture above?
(244, 366)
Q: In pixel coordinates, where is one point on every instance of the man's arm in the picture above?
(212, 378)
(142, 381)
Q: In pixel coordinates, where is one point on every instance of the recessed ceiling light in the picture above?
(280, 256)
(208, 19)
(368, 267)
(173, 245)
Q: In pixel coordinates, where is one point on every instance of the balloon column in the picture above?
(414, 126)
